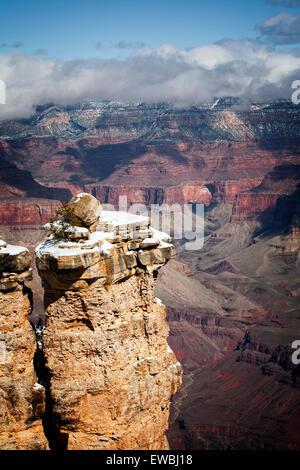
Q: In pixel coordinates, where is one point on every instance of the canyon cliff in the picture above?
(22, 397)
(111, 371)
(151, 153)
(243, 164)
(101, 375)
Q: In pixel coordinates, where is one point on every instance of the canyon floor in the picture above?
(240, 390)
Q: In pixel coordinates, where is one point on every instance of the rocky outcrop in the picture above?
(22, 397)
(111, 371)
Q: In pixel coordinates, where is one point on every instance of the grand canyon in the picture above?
(233, 305)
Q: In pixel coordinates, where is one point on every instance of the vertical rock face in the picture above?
(21, 397)
(111, 371)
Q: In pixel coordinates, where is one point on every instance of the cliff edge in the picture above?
(111, 372)
(22, 397)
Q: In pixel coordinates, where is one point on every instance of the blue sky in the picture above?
(70, 29)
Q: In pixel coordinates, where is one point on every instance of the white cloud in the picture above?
(283, 28)
(128, 44)
(246, 69)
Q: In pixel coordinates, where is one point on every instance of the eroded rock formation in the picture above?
(111, 371)
(21, 396)
(247, 273)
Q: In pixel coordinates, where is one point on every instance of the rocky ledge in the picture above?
(111, 372)
(15, 266)
(116, 245)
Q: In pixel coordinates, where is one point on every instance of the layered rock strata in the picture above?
(111, 371)
(22, 397)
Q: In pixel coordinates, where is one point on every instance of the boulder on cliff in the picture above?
(86, 207)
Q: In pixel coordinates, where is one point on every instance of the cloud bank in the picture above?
(283, 28)
(246, 69)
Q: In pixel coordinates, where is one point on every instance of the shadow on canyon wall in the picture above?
(23, 181)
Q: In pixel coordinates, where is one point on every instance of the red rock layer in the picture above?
(26, 211)
(249, 205)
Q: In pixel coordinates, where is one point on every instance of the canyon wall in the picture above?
(22, 397)
(101, 375)
(111, 371)
(26, 212)
(151, 153)
(244, 166)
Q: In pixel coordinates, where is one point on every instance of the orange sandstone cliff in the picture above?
(111, 373)
(22, 397)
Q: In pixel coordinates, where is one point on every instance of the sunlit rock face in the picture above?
(22, 397)
(112, 374)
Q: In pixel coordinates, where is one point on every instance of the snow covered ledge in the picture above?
(109, 246)
(15, 267)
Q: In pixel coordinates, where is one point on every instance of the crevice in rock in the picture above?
(39, 210)
(56, 440)
(27, 291)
